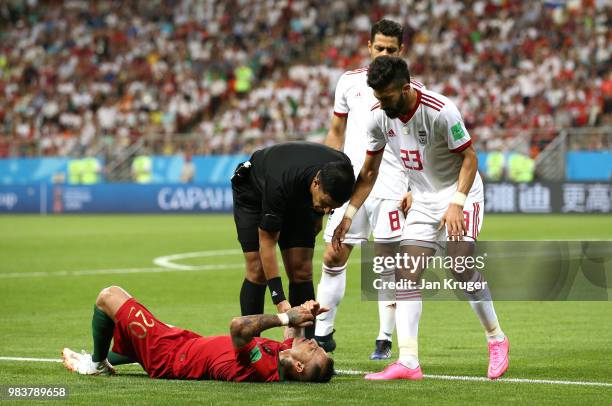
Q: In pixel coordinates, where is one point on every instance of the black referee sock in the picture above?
(102, 328)
(300, 293)
(252, 298)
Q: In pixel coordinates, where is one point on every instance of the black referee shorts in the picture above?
(298, 229)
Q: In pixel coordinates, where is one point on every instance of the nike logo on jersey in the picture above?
(274, 293)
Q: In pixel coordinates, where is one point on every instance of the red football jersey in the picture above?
(216, 358)
(170, 352)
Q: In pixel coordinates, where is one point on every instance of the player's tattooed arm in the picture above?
(243, 329)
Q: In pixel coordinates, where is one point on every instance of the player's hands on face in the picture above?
(283, 306)
(454, 221)
(300, 316)
(406, 203)
(340, 233)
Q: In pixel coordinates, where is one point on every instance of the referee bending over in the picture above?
(280, 196)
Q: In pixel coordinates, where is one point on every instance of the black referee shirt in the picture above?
(282, 175)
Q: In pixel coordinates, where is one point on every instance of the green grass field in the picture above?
(52, 268)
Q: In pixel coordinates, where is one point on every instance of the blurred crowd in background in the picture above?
(241, 74)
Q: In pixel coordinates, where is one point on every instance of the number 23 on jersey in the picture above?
(411, 159)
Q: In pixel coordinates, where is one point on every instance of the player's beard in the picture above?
(401, 107)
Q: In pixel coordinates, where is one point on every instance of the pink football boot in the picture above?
(396, 371)
(498, 358)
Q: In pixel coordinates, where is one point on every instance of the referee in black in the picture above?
(280, 196)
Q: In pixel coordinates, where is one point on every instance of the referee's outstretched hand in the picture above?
(340, 233)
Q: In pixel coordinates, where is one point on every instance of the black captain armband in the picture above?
(276, 290)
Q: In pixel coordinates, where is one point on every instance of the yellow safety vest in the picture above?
(75, 171)
(495, 165)
(90, 174)
(142, 169)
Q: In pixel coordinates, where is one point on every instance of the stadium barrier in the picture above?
(213, 170)
(548, 197)
(216, 170)
(116, 198)
(502, 197)
(588, 165)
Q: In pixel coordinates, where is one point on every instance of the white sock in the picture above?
(409, 307)
(386, 310)
(329, 294)
(482, 303)
(386, 316)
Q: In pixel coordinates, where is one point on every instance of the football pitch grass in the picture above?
(52, 268)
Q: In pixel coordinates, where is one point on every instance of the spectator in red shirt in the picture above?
(168, 352)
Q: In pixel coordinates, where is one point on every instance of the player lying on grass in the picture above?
(169, 352)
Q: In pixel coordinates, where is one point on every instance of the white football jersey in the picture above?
(427, 141)
(354, 98)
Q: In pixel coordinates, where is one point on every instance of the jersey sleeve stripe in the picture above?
(399, 296)
(375, 152)
(374, 107)
(417, 84)
(462, 147)
(337, 114)
(354, 72)
(430, 105)
(476, 230)
(474, 217)
(433, 101)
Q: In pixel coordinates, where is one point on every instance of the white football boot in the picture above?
(82, 364)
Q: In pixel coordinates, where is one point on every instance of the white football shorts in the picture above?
(381, 218)
(422, 224)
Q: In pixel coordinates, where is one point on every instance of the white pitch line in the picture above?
(355, 372)
(165, 265)
(30, 359)
(517, 380)
(167, 261)
(483, 379)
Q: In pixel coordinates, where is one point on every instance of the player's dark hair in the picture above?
(385, 70)
(338, 180)
(387, 28)
(323, 374)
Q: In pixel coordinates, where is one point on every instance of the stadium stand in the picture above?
(244, 74)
